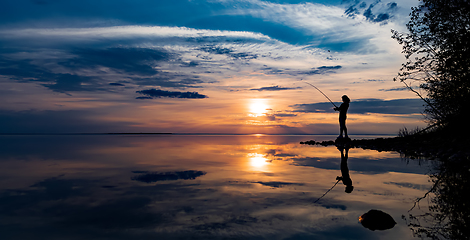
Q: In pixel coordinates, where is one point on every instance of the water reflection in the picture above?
(345, 178)
(197, 187)
(258, 161)
(443, 212)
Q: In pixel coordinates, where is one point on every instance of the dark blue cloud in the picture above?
(116, 84)
(321, 70)
(156, 93)
(135, 65)
(216, 50)
(394, 89)
(354, 7)
(189, 64)
(273, 88)
(357, 7)
(313, 71)
(131, 60)
(368, 13)
(339, 45)
(364, 106)
(69, 82)
(229, 52)
(382, 17)
(392, 5)
(26, 71)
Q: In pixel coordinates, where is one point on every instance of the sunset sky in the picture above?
(215, 66)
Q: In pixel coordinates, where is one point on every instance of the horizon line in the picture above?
(168, 133)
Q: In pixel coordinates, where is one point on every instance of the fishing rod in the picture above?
(321, 92)
(327, 191)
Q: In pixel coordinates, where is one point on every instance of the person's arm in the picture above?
(338, 108)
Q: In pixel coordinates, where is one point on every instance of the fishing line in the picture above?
(326, 192)
(321, 93)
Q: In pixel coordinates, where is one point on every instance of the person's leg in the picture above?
(345, 129)
(342, 126)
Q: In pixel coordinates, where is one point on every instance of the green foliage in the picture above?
(437, 51)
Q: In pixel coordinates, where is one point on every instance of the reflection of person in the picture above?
(345, 178)
(343, 109)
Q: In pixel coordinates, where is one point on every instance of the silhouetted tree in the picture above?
(437, 51)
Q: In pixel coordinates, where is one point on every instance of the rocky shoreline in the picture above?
(421, 146)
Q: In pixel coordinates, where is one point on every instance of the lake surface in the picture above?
(199, 187)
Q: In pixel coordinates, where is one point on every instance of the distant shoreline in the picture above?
(188, 134)
(64, 134)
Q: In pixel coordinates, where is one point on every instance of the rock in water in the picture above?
(343, 142)
(377, 220)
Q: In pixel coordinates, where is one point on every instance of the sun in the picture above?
(258, 107)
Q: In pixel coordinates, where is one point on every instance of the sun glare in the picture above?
(258, 107)
(258, 161)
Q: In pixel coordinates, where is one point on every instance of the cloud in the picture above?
(167, 176)
(353, 9)
(383, 11)
(273, 88)
(91, 34)
(323, 26)
(116, 84)
(285, 115)
(140, 61)
(90, 69)
(396, 89)
(229, 52)
(156, 93)
(25, 71)
(364, 106)
(69, 82)
(322, 70)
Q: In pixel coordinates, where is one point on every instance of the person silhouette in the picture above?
(343, 109)
(345, 178)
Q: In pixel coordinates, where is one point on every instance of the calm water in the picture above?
(198, 187)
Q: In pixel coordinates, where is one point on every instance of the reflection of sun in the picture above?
(258, 107)
(257, 160)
